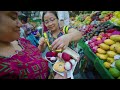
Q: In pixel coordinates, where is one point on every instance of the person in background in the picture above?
(35, 32)
(19, 59)
(64, 18)
(28, 31)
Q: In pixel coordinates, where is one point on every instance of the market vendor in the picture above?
(19, 59)
(57, 38)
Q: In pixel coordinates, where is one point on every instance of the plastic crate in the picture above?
(105, 74)
(88, 52)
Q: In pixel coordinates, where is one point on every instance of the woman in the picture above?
(57, 38)
(18, 58)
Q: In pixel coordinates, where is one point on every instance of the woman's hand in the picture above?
(42, 44)
(58, 76)
(61, 42)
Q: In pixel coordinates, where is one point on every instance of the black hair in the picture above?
(53, 12)
(24, 18)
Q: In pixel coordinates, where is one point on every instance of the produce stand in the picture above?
(98, 64)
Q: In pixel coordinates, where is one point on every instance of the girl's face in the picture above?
(51, 22)
(9, 26)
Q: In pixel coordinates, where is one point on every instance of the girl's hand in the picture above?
(61, 42)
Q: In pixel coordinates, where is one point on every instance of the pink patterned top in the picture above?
(25, 64)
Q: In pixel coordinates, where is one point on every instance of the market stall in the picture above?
(101, 43)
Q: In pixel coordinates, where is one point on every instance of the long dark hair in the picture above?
(53, 12)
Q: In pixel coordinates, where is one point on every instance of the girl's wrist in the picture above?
(69, 37)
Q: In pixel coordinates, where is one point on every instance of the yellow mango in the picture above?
(109, 42)
(102, 56)
(104, 46)
(98, 54)
(112, 47)
(115, 37)
(117, 48)
(110, 60)
(99, 50)
(107, 64)
(111, 54)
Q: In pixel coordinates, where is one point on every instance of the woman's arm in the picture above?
(65, 40)
(74, 35)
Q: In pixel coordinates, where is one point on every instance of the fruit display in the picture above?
(116, 18)
(94, 23)
(107, 47)
(105, 16)
(87, 20)
(101, 34)
(97, 29)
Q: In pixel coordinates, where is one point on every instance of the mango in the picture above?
(115, 37)
(98, 54)
(107, 64)
(117, 48)
(104, 46)
(117, 64)
(99, 50)
(114, 72)
(109, 42)
(102, 56)
(112, 47)
(111, 54)
(110, 60)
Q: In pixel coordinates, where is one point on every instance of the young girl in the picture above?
(57, 38)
